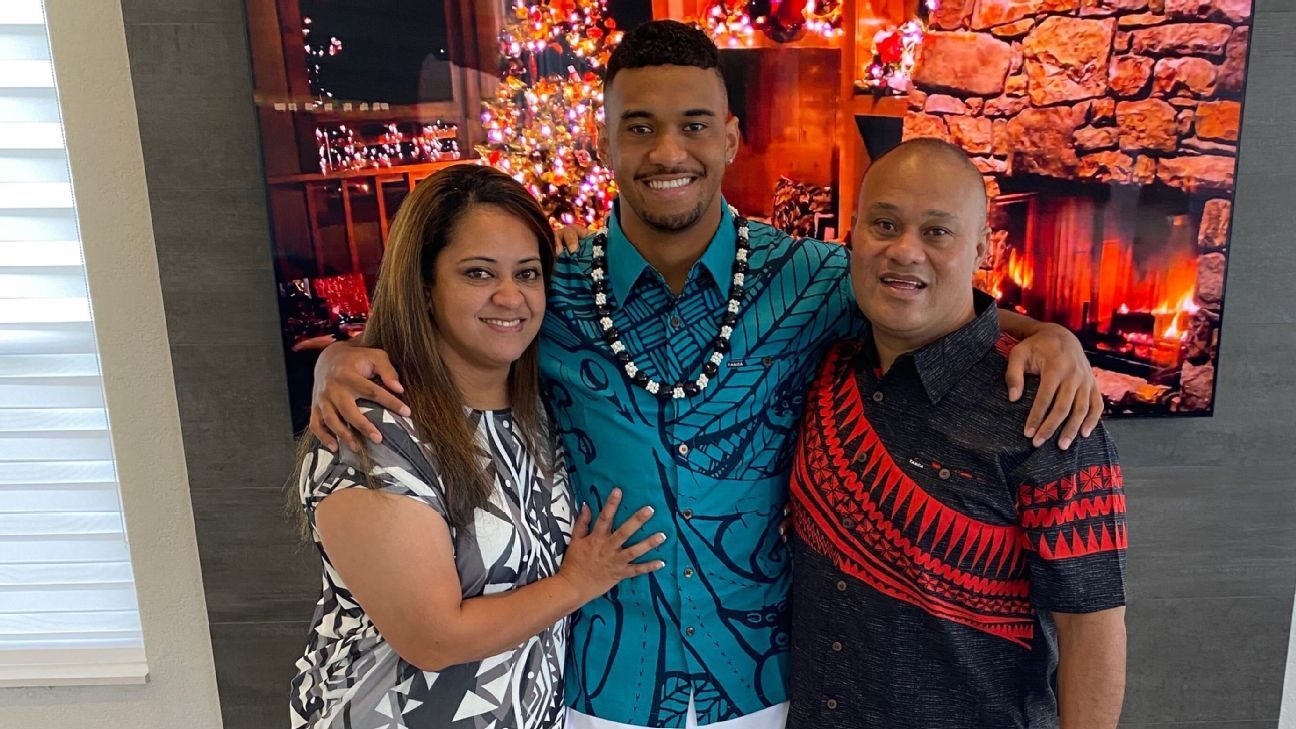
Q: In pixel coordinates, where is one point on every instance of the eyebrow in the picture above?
(644, 114)
(486, 259)
(929, 213)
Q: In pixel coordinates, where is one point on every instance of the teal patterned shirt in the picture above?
(712, 623)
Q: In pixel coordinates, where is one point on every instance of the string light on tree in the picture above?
(541, 124)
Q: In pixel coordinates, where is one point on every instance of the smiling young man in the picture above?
(676, 351)
(948, 575)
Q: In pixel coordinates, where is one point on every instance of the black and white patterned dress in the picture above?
(351, 678)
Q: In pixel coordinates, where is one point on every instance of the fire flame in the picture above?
(1020, 269)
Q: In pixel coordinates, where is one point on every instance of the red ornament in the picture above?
(891, 49)
(784, 19)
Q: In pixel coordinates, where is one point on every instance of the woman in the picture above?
(448, 576)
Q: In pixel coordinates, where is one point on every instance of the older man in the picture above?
(948, 574)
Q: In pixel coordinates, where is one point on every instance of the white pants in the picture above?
(771, 718)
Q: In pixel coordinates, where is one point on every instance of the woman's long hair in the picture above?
(400, 323)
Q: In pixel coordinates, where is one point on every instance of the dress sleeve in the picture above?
(399, 465)
(1071, 508)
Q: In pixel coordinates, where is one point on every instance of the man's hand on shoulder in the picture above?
(568, 239)
(344, 374)
(1068, 396)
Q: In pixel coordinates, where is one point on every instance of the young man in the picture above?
(948, 575)
(676, 353)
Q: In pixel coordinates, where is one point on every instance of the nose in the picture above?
(907, 249)
(508, 295)
(668, 151)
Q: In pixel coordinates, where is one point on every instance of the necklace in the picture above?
(719, 345)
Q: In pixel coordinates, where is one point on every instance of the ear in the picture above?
(982, 248)
(601, 145)
(733, 138)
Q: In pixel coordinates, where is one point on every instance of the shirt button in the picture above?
(687, 514)
(689, 631)
(676, 322)
(944, 474)
(848, 522)
(766, 361)
(836, 646)
(841, 585)
(831, 703)
(683, 449)
(688, 571)
(878, 396)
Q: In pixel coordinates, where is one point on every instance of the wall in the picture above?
(1212, 501)
(90, 61)
(1213, 558)
(192, 82)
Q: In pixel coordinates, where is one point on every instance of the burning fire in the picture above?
(1185, 304)
(1018, 270)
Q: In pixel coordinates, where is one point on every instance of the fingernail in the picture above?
(1029, 432)
(375, 438)
(660, 537)
(405, 411)
(1037, 442)
(650, 510)
(782, 531)
(1064, 444)
(660, 564)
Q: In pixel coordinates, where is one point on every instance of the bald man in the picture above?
(947, 573)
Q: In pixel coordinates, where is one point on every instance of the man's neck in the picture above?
(672, 253)
(891, 346)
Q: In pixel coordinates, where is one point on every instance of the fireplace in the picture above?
(1107, 132)
(1117, 264)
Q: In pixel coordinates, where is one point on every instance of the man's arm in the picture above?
(1068, 390)
(1091, 668)
(344, 374)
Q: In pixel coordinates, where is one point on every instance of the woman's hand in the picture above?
(597, 559)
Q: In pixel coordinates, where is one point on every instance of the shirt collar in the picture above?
(941, 364)
(626, 265)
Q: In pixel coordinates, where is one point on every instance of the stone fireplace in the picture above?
(1107, 132)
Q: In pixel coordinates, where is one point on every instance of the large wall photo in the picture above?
(1107, 131)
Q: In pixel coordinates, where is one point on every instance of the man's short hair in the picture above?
(663, 43)
(935, 145)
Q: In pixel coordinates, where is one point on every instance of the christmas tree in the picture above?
(541, 126)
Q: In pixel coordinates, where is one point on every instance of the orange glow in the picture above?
(1020, 269)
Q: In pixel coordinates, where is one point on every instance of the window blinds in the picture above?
(68, 612)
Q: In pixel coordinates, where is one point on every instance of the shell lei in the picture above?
(719, 345)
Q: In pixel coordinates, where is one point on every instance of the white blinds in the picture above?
(68, 613)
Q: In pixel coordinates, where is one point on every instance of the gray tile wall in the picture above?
(189, 60)
(1212, 501)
